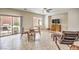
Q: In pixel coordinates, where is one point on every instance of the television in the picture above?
(55, 20)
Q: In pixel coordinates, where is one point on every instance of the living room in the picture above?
(35, 26)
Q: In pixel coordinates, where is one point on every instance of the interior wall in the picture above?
(28, 19)
(63, 19)
(26, 16)
(6, 11)
(73, 19)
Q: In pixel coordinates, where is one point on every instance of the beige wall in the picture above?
(63, 19)
(27, 16)
(73, 19)
(28, 19)
(5, 11)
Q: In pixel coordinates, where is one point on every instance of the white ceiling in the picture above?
(41, 10)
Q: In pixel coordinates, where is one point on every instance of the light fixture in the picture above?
(47, 10)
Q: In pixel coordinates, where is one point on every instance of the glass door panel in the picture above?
(16, 25)
(6, 25)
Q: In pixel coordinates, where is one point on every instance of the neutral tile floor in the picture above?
(42, 42)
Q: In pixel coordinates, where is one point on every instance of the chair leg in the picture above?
(57, 45)
(70, 46)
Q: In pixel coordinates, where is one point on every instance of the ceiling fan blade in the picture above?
(48, 10)
(45, 8)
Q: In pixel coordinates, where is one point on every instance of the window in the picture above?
(37, 21)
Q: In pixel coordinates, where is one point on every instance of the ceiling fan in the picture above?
(47, 10)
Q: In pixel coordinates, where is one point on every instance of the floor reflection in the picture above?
(18, 42)
(11, 42)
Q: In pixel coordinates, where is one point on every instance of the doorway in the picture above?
(37, 22)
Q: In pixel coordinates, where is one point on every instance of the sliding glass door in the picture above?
(9, 25)
(6, 25)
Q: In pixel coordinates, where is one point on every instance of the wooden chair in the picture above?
(31, 35)
(69, 37)
(56, 37)
(37, 29)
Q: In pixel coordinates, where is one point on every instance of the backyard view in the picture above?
(9, 25)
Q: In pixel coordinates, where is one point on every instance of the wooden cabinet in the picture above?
(56, 27)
